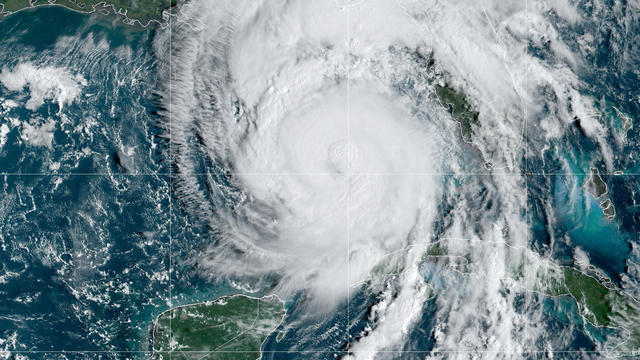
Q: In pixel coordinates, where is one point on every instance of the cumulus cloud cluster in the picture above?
(46, 82)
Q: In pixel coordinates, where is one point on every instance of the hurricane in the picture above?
(314, 139)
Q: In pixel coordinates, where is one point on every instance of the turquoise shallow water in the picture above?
(588, 228)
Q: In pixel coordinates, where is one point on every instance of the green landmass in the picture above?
(598, 188)
(599, 301)
(437, 253)
(454, 100)
(228, 328)
(436, 250)
(594, 299)
(143, 11)
(608, 209)
(595, 184)
(459, 108)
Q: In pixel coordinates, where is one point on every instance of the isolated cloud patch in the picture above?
(46, 82)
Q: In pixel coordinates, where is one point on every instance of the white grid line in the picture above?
(2, 352)
(435, 173)
(348, 325)
(170, 161)
(526, 170)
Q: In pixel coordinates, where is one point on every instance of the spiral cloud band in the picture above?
(332, 162)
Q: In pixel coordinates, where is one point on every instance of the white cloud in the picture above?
(581, 258)
(46, 82)
(334, 181)
(4, 130)
(41, 135)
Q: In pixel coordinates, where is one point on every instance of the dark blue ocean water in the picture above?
(84, 235)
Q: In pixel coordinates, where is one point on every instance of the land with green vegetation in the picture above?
(142, 11)
(228, 328)
(599, 301)
(593, 298)
(598, 188)
(459, 108)
(436, 250)
(454, 100)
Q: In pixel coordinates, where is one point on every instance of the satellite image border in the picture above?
(336, 179)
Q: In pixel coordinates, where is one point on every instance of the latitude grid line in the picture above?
(319, 351)
(526, 168)
(167, 174)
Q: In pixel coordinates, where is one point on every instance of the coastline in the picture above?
(102, 5)
(209, 302)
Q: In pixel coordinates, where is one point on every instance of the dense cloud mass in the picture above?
(311, 137)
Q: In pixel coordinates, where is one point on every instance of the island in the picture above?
(598, 188)
(459, 108)
(230, 327)
(454, 100)
(599, 301)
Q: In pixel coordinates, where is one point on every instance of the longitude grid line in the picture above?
(170, 179)
(526, 168)
(348, 282)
